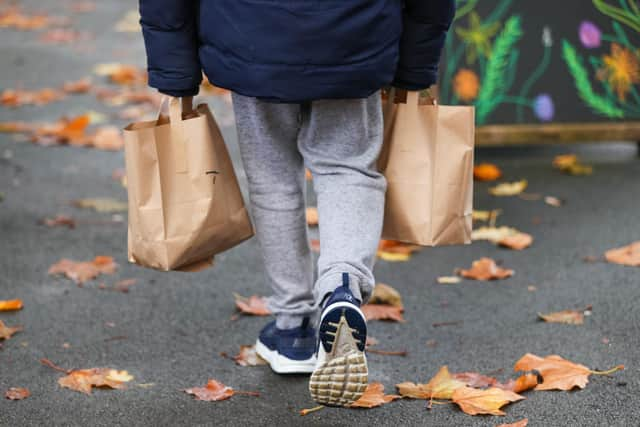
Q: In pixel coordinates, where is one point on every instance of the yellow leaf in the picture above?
(509, 188)
(441, 386)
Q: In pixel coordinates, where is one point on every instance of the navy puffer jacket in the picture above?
(294, 50)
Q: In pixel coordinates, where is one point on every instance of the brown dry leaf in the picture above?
(487, 401)
(522, 423)
(80, 272)
(108, 138)
(65, 131)
(17, 98)
(522, 383)
(570, 317)
(105, 205)
(60, 221)
(248, 356)
(441, 386)
(385, 294)
(569, 163)
(382, 312)
(486, 172)
(474, 379)
(254, 305)
(517, 242)
(394, 251)
(13, 18)
(211, 392)
(558, 373)
(7, 331)
(509, 188)
(122, 74)
(627, 255)
(486, 269)
(312, 216)
(374, 396)
(17, 393)
(83, 380)
(78, 86)
(15, 127)
(10, 305)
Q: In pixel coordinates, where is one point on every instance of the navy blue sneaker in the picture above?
(288, 351)
(341, 374)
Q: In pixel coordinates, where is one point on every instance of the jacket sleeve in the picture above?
(170, 35)
(426, 23)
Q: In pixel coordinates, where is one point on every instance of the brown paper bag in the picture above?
(427, 158)
(185, 203)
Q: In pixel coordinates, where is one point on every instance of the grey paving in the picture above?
(168, 330)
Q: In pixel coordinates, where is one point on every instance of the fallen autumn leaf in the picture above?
(486, 401)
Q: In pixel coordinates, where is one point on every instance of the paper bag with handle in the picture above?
(185, 203)
(427, 158)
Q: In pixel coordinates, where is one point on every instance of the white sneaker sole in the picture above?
(283, 365)
(341, 376)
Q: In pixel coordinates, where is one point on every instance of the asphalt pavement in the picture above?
(169, 329)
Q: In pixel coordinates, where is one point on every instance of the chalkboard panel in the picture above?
(544, 62)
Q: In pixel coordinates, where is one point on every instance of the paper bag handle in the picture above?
(178, 106)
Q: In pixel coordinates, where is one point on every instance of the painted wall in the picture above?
(524, 61)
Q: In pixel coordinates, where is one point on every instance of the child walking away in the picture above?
(306, 79)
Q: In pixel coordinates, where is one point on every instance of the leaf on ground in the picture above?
(108, 138)
(78, 86)
(448, 280)
(211, 392)
(307, 175)
(522, 423)
(17, 393)
(254, 305)
(312, 216)
(486, 401)
(569, 317)
(522, 383)
(15, 127)
(122, 74)
(628, 255)
(7, 331)
(10, 305)
(83, 380)
(14, 18)
(485, 216)
(394, 251)
(65, 131)
(248, 356)
(475, 379)
(18, 98)
(441, 386)
(509, 188)
(570, 164)
(102, 204)
(374, 396)
(517, 242)
(558, 373)
(486, 172)
(80, 272)
(553, 201)
(383, 312)
(385, 294)
(486, 269)
(60, 221)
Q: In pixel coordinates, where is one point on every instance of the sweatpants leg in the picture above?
(268, 135)
(340, 141)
